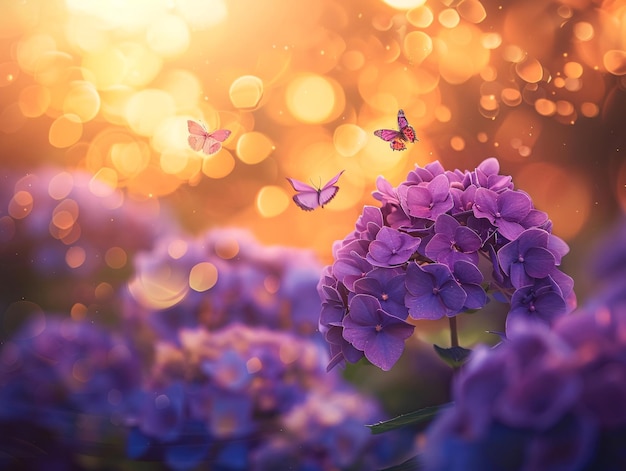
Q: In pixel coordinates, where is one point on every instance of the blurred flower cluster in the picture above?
(67, 239)
(438, 244)
(545, 399)
(213, 357)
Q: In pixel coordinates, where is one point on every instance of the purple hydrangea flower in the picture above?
(432, 291)
(453, 242)
(370, 329)
(458, 238)
(527, 258)
(391, 248)
(430, 200)
(504, 210)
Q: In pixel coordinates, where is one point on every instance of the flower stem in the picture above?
(454, 334)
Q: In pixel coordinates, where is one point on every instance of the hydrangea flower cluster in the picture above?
(60, 228)
(248, 399)
(243, 281)
(544, 399)
(63, 384)
(439, 243)
(192, 384)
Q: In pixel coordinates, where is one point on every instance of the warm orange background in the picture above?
(108, 86)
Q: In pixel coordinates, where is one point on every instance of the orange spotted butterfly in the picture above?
(309, 198)
(405, 133)
(207, 142)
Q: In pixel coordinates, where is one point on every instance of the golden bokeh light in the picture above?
(311, 98)
(349, 139)
(112, 85)
(246, 92)
(65, 131)
(254, 147)
(218, 165)
(271, 201)
(203, 276)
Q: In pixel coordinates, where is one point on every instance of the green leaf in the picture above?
(453, 356)
(412, 464)
(403, 420)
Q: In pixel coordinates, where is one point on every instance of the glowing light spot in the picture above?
(310, 98)
(20, 205)
(82, 100)
(482, 137)
(615, 61)
(449, 18)
(160, 287)
(491, 40)
(104, 182)
(545, 107)
(511, 96)
(289, 352)
(254, 365)
(573, 70)
(116, 257)
(78, 311)
(31, 48)
(472, 11)
(202, 276)
(271, 284)
(75, 256)
(65, 131)
(589, 110)
(573, 84)
(353, 60)
(271, 201)
(254, 147)
(177, 248)
(103, 291)
(64, 219)
(404, 4)
(107, 67)
(168, 36)
(417, 46)
(513, 54)
(60, 185)
(457, 143)
(564, 108)
(246, 92)
(443, 114)
(226, 248)
(147, 108)
(488, 103)
(529, 70)
(349, 139)
(420, 17)
(34, 100)
(9, 71)
(218, 165)
(129, 158)
(583, 31)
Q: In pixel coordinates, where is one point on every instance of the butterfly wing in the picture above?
(211, 146)
(397, 144)
(220, 134)
(307, 197)
(328, 191)
(197, 135)
(387, 134)
(407, 132)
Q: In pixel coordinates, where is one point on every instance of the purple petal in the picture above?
(514, 205)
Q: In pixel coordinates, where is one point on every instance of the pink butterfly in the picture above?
(309, 198)
(207, 142)
(405, 133)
